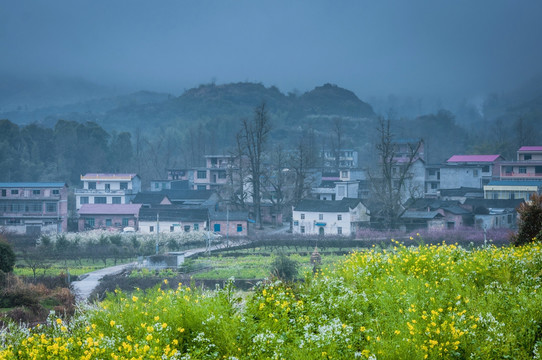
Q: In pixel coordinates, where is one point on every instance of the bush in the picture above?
(7, 257)
(530, 221)
(284, 268)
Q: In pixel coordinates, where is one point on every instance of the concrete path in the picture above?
(88, 282)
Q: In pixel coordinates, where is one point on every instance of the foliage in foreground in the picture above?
(530, 221)
(420, 302)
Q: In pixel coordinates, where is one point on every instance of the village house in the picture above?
(347, 158)
(107, 189)
(512, 189)
(170, 218)
(230, 223)
(215, 173)
(33, 208)
(489, 213)
(108, 216)
(321, 217)
(472, 171)
(453, 215)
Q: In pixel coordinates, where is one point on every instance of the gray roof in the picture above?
(515, 183)
(151, 198)
(343, 205)
(231, 216)
(32, 184)
(172, 213)
(428, 215)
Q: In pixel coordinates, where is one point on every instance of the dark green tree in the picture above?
(7, 257)
(284, 268)
(530, 221)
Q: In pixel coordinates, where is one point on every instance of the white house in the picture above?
(169, 218)
(107, 189)
(321, 217)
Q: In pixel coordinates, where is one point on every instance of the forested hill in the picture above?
(229, 102)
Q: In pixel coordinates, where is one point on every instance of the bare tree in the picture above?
(337, 143)
(299, 162)
(390, 182)
(254, 137)
(275, 179)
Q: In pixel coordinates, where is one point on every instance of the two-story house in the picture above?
(169, 218)
(321, 217)
(33, 208)
(473, 171)
(528, 165)
(347, 158)
(107, 189)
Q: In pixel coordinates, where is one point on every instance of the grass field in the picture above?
(419, 302)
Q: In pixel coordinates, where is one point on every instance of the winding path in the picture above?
(88, 282)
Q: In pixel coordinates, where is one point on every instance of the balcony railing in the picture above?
(521, 175)
(102, 191)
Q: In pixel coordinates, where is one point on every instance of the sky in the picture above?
(373, 48)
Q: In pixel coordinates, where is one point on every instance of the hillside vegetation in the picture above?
(434, 302)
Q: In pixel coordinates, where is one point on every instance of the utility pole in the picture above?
(157, 231)
(227, 225)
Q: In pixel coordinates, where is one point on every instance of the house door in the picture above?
(321, 231)
(216, 228)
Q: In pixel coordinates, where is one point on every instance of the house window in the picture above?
(302, 216)
(36, 192)
(89, 223)
(157, 185)
(92, 185)
(186, 228)
(151, 228)
(339, 230)
(239, 227)
(196, 227)
(3, 192)
(302, 229)
(124, 186)
(320, 216)
(84, 200)
(125, 221)
(509, 218)
(434, 186)
(107, 187)
(56, 192)
(216, 228)
(432, 172)
(344, 174)
(100, 200)
(485, 169)
(33, 207)
(450, 225)
(171, 228)
(116, 199)
(339, 217)
(296, 223)
(523, 170)
(475, 173)
(50, 207)
(527, 157)
(108, 222)
(202, 174)
(13, 192)
(202, 187)
(222, 175)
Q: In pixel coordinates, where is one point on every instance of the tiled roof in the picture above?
(173, 213)
(473, 158)
(32, 184)
(109, 209)
(421, 215)
(343, 205)
(151, 198)
(231, 216)
(530, 148)
(177, 195)
(102, 176)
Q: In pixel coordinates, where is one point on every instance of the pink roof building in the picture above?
(474, 158)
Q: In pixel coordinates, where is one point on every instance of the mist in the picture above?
(436, 51)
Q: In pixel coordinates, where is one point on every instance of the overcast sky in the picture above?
(371, 47)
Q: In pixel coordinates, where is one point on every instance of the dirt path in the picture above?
(88, 282)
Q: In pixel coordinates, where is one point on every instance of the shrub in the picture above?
(284, 268)
(530, 221)
(7, 257)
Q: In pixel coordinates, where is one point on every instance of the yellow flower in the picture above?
(134, 298)
(165, 281)
(59, 321)
(112, 323)
(164, 325)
